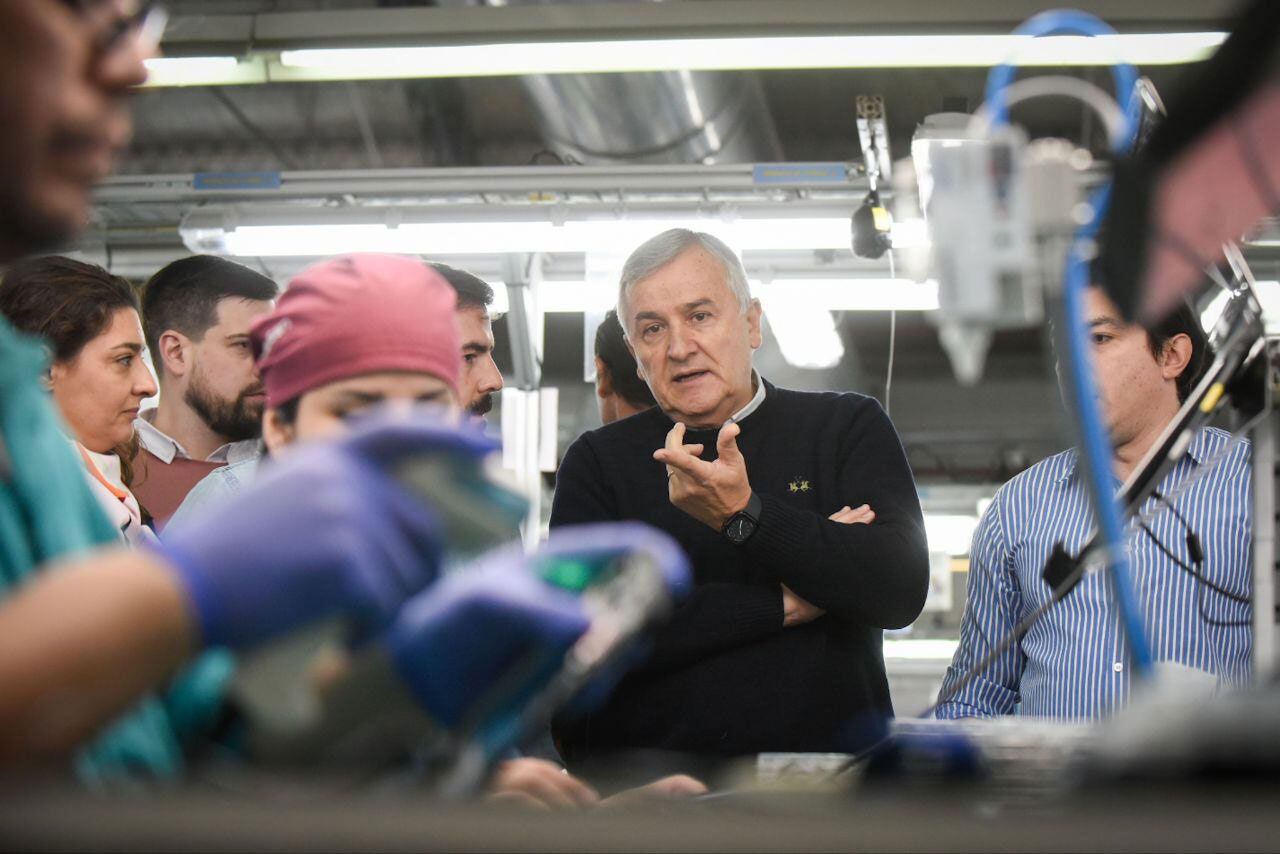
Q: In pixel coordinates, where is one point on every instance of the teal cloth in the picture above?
(47, 513)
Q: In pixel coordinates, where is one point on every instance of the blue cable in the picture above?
(1095, 444)
(1060, 22)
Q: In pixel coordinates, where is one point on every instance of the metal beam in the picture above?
(406, 183)
(709, 18)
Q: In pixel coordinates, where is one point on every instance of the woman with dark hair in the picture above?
(89, 321)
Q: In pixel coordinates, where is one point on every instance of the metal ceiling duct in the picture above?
(651, 117)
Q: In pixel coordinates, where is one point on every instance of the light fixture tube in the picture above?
(694, 54)
(728, 54)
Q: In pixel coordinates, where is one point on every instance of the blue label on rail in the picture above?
(801, 173)
(237, 181)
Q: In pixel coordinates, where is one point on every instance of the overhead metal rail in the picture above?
(794, 180)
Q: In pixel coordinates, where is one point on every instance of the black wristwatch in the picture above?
(743, 524)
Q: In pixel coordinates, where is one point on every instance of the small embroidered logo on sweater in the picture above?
(799, 485)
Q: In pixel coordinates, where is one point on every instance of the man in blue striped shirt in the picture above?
(1073, 662)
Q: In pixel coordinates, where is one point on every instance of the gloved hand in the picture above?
(573, 557)
(324, 531)
(494, 621)
(480, 643)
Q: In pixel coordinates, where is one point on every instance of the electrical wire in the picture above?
(1198, 575)
(1197, 572)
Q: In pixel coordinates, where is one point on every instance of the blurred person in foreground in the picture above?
(329, 534)
(350, 334)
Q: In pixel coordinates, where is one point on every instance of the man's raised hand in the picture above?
(710, 492)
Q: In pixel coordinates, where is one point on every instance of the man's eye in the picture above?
(1099, 338)
(468, 358)
(652, 329)
(700, 316)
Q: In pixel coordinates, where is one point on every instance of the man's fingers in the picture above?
(677, 786)
(727, 442)
(543, 782)
(554, 790)
(675, 437)
(854, 515)
(694, 450)
(580, 791)
(680, 461)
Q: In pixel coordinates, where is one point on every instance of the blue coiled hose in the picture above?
(1095, 445)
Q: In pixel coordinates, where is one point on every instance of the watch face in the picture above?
(739, 528)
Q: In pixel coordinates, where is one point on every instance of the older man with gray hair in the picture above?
(798, 511)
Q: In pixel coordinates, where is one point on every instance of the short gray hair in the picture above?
(660, 250)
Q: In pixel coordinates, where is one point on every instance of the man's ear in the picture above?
(632, 350)
(277, 433)
(1176, 356)
(173, 353)
(604, 380)
(753, 324)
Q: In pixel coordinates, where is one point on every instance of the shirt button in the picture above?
(1117, 667)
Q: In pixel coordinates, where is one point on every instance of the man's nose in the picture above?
(680, 345)
(492, 380)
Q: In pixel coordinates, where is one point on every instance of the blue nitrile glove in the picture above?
(573, 557)
(480, 644)
(324, 531)
(495, 626)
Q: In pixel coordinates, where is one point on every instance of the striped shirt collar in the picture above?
(1196, 450)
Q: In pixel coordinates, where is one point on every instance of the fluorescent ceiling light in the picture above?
(806, 333)
(705, 54)
(204, 71)
(491, 237)
(724, 54)
(851, 294)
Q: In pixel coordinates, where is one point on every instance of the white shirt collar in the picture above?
(166, 448)
(753, 404)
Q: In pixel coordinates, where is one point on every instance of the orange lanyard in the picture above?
(120, 494)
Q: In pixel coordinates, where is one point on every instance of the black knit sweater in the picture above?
(724, 676)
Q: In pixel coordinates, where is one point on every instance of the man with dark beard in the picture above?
(480, 377)
(196, 316)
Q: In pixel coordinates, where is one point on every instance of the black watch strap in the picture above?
(741, 525)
